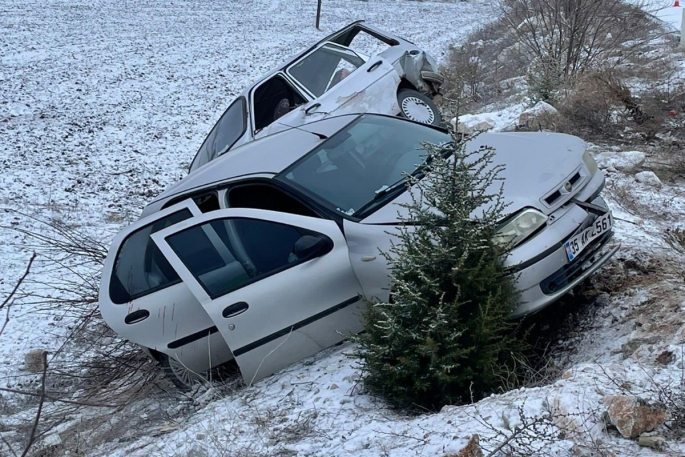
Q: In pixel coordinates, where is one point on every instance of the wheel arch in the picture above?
(405, 84)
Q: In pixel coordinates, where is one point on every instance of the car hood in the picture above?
(535, 163)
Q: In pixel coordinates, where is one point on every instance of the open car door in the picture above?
(279, 287)
(342, 82)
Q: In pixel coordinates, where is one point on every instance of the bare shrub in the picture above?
(484, 68)
(547, 47)
(574, 36)
(592, 109)
(529, 436)
(92, 368)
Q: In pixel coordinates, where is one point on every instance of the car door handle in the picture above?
(136, 316)
(313, 107)
(374, 66)
(235, 309)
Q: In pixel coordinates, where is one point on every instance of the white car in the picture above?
(264, 257)
(358, 69)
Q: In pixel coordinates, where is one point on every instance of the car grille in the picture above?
(556, 196)
(568, 273)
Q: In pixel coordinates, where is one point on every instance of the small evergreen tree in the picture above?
(446, 336)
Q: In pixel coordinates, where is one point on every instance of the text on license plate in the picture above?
(577, 243)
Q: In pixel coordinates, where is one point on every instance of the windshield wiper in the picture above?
(391, 190)
(320, 135)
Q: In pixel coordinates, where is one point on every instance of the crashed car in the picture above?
(264, 258)
(357, 69)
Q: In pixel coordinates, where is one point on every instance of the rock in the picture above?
(629, 348)
(651, 440)
(632, 416)
(588, 449)
(625, 161)
(333, 386)
(666, 358)
(513, 127)
(649, 178)
(472, 448)
(482, 126)
(470, 123)
(538, 117)
(603, 299)
(34, 361)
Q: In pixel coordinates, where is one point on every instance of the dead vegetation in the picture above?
(92, 370)
(606, 66)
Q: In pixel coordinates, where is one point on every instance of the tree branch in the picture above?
(40, 405)
(51, 398)
(16, 286)
(8, 445)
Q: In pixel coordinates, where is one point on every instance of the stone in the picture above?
(472, 448)
(588, 449)
(651, 440)
(625, 161)
(482, 126)
(33, 361)
(666, 358)
(470, 123)
(649, 178)
(633, 416)
(538, 117)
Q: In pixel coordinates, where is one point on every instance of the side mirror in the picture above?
(309, 247)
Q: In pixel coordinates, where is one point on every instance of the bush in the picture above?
(546, 47)
(603, 106)
(445, 336)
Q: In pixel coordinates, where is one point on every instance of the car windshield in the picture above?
(364, 162)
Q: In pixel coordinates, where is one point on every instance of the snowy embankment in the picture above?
(103, 104)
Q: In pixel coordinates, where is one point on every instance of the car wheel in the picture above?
(182, 377)
(418, 107)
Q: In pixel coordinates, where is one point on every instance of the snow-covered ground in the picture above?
(103, 104)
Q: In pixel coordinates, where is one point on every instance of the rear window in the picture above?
(140, 268)
(223, 136)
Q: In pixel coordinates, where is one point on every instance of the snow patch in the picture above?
(625, 161)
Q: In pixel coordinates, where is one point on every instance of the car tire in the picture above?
(418, 107)
(182, 377)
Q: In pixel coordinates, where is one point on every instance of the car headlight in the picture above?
(590, 163)
(520, 227)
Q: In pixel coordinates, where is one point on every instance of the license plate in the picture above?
(579, 242)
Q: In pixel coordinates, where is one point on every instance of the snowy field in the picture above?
(103, 104)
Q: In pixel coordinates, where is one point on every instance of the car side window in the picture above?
(325, 67)
(226, 254)
(139, 267)
(230, 127)
(368, 45)
(273, 99)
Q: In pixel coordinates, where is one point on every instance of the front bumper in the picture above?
(544, 277)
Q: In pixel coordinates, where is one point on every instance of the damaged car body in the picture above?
(358, 69)
(264, 258)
